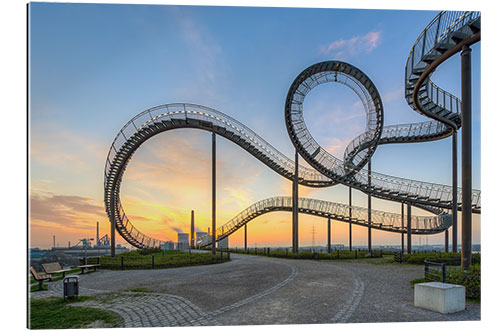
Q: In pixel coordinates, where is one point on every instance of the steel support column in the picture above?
(454, 211)
(329, 235)
(369, 206)
(213, 193)
(350, 218)
(408, 227)
(112, 232)
(446, 240)
(295, 206)
(466, 157)
(402, 226)
(245, 236)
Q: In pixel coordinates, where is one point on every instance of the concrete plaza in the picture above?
(252, 290)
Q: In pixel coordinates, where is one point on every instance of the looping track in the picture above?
(447, 30)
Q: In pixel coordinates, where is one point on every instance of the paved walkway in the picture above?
(252, 290)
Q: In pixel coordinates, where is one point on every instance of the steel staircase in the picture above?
(446, 30)
(380, 220)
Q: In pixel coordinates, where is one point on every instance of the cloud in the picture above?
(206, 58)
(337, 146)
(67, 211)
(177, 230)
(345, 49)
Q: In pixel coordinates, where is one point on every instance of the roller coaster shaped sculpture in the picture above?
(439, 39)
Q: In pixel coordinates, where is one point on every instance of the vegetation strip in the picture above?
(155, 258)
(54, 313)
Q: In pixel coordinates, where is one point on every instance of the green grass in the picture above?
(35, 288)
(53, 313)
(162, 259)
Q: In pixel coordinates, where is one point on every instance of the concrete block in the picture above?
(440, 297)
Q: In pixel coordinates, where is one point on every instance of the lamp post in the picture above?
(85, 242)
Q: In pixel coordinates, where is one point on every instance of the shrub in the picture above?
(470, 278)
(163, 259)
(334, 255)
(149, 250)
(449, 258)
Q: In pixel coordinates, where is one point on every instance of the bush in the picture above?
(470, 278)
(149, 250)
(334, 255)
(449, 258)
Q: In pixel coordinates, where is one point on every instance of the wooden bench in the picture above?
(54, 267)
(83, 267)
(40, 277)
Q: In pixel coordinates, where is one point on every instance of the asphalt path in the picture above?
(257, 290)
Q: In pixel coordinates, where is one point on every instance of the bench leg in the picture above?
(40, 285)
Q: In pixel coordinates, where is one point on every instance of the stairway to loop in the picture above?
(443, 36)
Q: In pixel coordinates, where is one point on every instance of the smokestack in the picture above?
(192, 229)
(97, 239)
(69, 244)
(54, 240)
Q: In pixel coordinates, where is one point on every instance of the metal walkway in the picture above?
(446, 31)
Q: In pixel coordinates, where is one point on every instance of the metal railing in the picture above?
(437, 33)
(434, 271)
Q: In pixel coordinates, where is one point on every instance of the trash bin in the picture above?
(70, 284)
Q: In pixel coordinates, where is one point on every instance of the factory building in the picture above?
(182, 241)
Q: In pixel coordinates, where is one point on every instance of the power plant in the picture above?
(182, 241)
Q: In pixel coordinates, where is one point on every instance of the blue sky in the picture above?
(94, 66)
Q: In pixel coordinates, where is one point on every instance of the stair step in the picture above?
(418, 70)
(475, 25)
(430, 57)
(458, 36)
(444, 46)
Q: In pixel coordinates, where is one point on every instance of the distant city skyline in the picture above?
(95, 66)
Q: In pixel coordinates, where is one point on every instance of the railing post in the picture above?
(153, 261)
(122, 261)
(444, 273)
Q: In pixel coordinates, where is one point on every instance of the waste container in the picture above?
(70, 284)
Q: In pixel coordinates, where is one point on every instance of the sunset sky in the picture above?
(93, 67)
